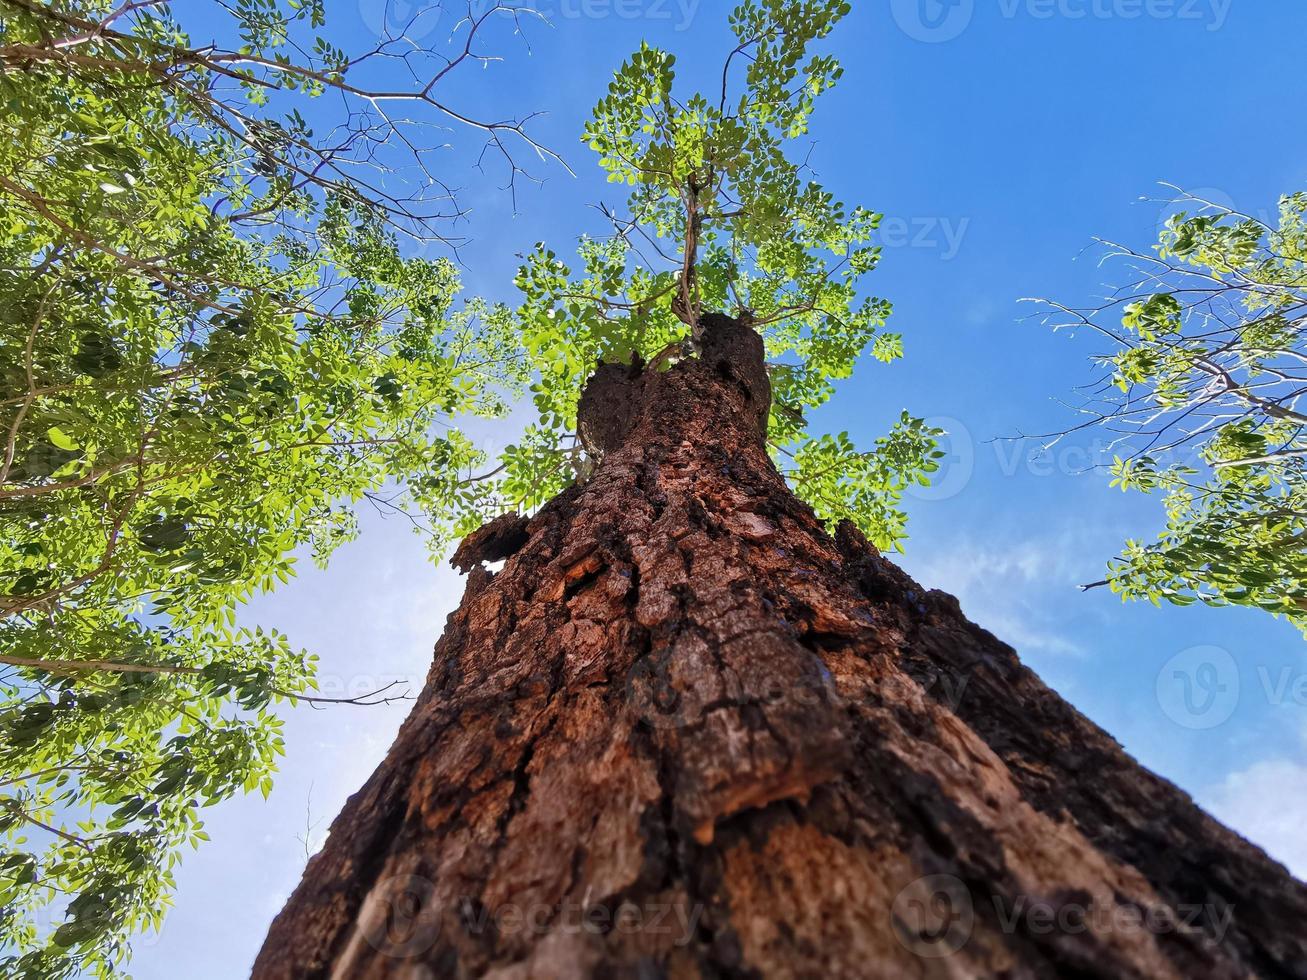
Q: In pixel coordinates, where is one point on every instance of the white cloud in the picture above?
(1014, 587)
(1243, 801)
(1006, 588)
(1023, 635)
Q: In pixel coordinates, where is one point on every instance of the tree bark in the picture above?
(685, 732)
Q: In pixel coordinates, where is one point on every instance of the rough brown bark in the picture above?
(685, 732)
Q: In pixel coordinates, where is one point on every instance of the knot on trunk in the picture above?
(733, 349)
(616, 395)
(609, 407)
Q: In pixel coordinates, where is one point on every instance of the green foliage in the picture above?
(212, 350)
(1208, 370)
(842, 483)
(718, 218)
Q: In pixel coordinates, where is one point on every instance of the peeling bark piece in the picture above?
(502, 538)
(685, 733)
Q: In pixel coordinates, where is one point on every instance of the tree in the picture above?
(719, 217)
(213, 350)
(686, 732)
(1200, 392)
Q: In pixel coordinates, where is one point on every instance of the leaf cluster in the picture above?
(1201, 390)
(213, 351)
(721, 216)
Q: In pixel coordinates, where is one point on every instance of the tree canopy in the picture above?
(722, 216)
(217, 345)
(214, 349)
(1201, 389)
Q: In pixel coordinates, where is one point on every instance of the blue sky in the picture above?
(999, 137)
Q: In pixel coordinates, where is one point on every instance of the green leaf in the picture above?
(61, 439)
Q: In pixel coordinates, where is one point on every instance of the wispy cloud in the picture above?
(1241, 801)
(1024, 635)
(1005, 586)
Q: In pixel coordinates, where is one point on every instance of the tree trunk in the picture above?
(684, 732)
